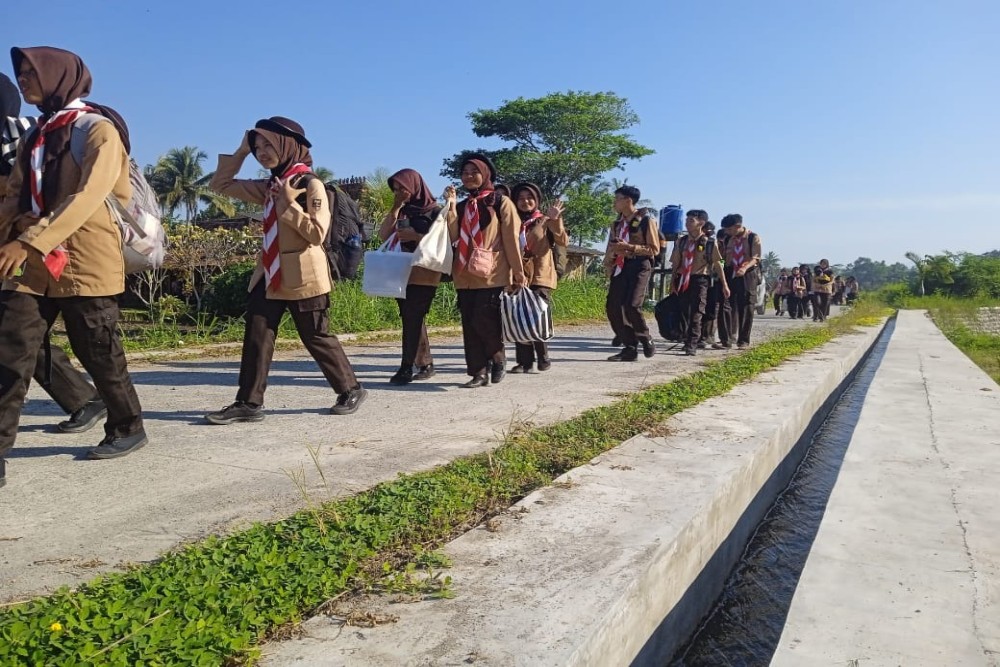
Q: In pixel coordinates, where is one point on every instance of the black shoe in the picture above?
(689, 351)
(702, 345)
(522, 368)
(628, 354)
(476, 382)
(3, 472)
(616, 342)
(113, 447)
(544, 365)
(722, 346)
(348, 402)
(403, 376)
(85, 418)
(648, 348)
(497, 373)
(424, 373)
(237, 412)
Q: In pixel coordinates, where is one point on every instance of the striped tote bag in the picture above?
(525, 316)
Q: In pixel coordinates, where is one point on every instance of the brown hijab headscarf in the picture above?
(421, 201)
(485, 170)
(61, 74)
(62, 77)
(289, 141)
(484, 204)
(536, 192)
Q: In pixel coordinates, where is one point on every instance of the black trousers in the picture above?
(482, 329)
(736, 319)
(312, 321)
(795, 308)
(66, 386)
(92, 327)
(626, 295)
(413, 311)
(712, 307)
(693, 302)
(525, 353)
(821, 306)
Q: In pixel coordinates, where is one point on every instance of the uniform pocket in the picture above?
(296, 270)
(101, 328)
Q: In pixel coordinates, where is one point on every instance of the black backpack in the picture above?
(668, 317)
(345, 240)
(560, 256)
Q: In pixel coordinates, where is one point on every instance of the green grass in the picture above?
(214, 601)
(953, 316)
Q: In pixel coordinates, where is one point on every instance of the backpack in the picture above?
(144, 243)
(344, 244)
(560, 256)
(668, 317)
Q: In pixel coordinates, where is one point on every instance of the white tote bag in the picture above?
(526, 318)
(434, 251)
(386, 272)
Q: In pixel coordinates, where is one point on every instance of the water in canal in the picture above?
(745, 624)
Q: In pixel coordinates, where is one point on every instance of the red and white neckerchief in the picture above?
(470, 233)
(271, 252)
(57, 259)
(737, 255)
(526, 226)
(622, 232)
(687, 264)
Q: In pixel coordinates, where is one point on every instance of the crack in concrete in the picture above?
(976, 592)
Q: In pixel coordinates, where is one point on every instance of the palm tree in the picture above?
(770, 265)
(921, 265)
(324, 174)
(179, 181)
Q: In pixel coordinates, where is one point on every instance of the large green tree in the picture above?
(564, 142)
(589, 211)
(180, 182)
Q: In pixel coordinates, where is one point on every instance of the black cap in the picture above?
(285, 126)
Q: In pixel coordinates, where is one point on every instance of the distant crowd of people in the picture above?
(802, 292)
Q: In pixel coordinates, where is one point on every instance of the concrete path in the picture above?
(63, 520)
(581, 573)
(905, 569)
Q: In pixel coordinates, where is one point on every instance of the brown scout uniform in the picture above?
(79, 219)
(304, 288)
(540, 270)
(694, 298)
(627, 290)
(54, 372)
(736, 320)
(479, 298)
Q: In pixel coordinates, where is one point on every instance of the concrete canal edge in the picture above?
(617, 561)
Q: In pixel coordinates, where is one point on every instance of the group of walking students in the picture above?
(803, 293)
(61, 253)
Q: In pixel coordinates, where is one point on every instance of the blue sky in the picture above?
(838, 129)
